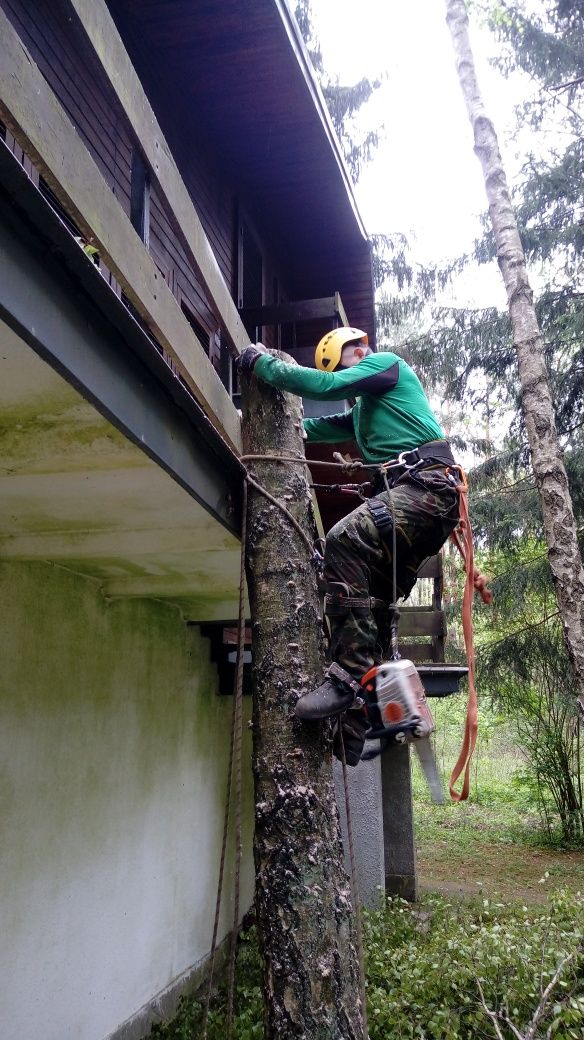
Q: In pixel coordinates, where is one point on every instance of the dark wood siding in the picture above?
(58, 45)
(199, 112)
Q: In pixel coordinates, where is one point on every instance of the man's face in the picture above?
(352, 354)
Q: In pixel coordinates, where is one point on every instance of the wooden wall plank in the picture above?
(66, 58)
(71, 74)
(108, 45)
(37, 120)
(415, 621)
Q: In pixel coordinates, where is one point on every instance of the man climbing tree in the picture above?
(309, 935)
(415, 490)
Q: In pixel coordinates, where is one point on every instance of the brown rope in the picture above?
(354, 885)
(287, 513)
(345, 464)
(220, 880)
(235, 771)
(234, 768)
(238, 764)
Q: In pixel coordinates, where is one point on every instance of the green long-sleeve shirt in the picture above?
(391, 413)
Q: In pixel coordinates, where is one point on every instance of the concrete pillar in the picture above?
(398, 823)
(365, 799)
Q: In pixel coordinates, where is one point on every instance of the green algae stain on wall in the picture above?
(114, 772)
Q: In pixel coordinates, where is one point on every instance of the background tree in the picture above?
(476, 349)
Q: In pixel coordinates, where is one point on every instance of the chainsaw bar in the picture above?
(427, 759)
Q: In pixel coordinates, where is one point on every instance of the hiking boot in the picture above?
(338, 692)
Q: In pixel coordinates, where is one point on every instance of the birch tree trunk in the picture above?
(303, 904)
(546, 455)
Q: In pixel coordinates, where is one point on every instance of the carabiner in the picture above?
(402, 462)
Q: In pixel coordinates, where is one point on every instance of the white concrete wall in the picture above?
(113, 761)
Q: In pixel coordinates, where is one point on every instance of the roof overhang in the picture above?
(232, 79)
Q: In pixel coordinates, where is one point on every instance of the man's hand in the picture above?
(248, 357)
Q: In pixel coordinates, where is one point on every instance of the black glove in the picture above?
(354, 725)
(247, 359)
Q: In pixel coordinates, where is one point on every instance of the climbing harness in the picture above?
(454, 475)
(436, 460)
(412, 705)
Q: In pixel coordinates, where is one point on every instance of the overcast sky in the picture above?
(425, 179)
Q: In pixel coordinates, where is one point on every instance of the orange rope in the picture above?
(462, 538)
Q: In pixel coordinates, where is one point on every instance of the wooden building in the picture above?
(170, 188)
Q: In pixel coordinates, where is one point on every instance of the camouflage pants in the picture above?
(425, 511)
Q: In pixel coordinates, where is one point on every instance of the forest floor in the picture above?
(493, 845)
(469, 850)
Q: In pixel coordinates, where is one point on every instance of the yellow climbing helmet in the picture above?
(328, 352)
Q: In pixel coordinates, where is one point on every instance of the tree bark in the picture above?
(303, 904)
(546, 455)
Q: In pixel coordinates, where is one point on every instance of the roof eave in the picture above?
(307, 69)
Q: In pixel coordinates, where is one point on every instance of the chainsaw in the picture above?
(399, 713)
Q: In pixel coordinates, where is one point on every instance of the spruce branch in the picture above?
(517, 632)
(566, 86)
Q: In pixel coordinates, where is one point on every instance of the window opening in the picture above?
(276, 329)
(48, 194)
(199, 330)
(140, 196)
(250, 275)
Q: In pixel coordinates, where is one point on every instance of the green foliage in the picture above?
(248, 1003)
(530, 675)
(467, 356)
(466, 353)
(547, 45)
(426, 966)
(344, 102)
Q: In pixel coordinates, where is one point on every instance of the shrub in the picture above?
(248, 1021)
(426, 966)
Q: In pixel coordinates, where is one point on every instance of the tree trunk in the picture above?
(546, 456)
(303, 904)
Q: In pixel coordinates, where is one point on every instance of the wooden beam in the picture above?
(431, 568)
(101, 31)
(295, 311)
(415, 621)
(38, 122)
